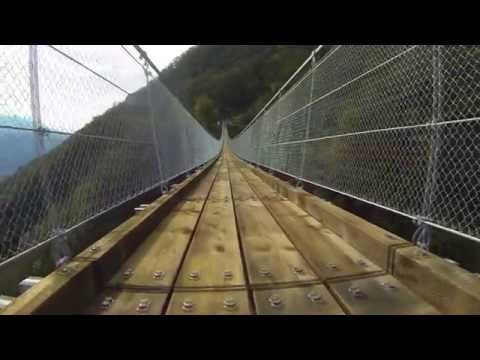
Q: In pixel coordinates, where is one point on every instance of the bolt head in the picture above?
(106, 303)
(228, 275)
(265, 272)
(388, 286)
(144, 305)
(128, 273)
(333, 267)
(315, 297)
(187, 306)
(362, 263)
(298, 270)
(159, 275)
(230, 304)
(275, 301)
(357, 293)
(194, 275)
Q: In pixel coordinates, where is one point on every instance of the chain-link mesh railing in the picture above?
(397, 126)
(80, 133)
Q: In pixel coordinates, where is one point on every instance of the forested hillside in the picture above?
(231, 82)
(87, 174)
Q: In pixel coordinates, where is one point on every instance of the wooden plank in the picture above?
(200, 192)
(209, 303)
(114, 248)
(213, 259)
(308, 300)
(155, 263)
(383, 295)
(270, 256)
(364, 236)
(240, 192)
(68, 292)
(64, 291)
(127, 302)
(263, 191)
(328, 254)
(450, 288)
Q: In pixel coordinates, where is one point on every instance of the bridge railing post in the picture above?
(423, 236)
(309, 115)
(151, 116)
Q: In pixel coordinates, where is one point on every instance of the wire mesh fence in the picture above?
(80, 133)
(394, 125)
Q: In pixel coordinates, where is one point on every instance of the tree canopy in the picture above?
(231, 83)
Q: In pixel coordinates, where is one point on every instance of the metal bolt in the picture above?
(388, 286)
(422, 253)
(128, 273)
(298, 270)
(194, 275)
(228, 275)
(315, 297)
(230, 304)
(187, 306)
(106, 303)
(144, 305)
(357, 293)
(265, 272)
(94, 249)
(453, 262)
(362, 263)
(159, 275)
(333, 267)
(275, 301)
(67, 270)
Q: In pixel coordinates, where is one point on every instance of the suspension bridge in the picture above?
(155, 216)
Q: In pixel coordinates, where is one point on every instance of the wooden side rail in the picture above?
(69, 289)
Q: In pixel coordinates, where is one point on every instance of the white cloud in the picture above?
(163, 55)
(70, 96)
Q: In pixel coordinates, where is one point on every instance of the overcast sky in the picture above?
(70, 96)
(162, 55)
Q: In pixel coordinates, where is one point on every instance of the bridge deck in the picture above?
(240, 242)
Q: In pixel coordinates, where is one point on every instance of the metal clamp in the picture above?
(299, 184)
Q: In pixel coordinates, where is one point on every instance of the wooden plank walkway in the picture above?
(234, 240)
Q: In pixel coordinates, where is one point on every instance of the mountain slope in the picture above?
(231, 82)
